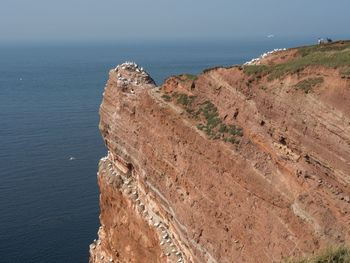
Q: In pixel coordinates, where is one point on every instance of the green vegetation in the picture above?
(166, 97)
(307, 84)
(217, 67)
(317, 55)
(345, 71)
(210, 69)
(304, 51)
(331, 255)
(207, 114)
(187, 77)
(191, 77)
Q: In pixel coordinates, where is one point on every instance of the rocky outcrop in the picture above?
(223, 167)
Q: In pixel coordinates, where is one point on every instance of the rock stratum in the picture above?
(242, 164)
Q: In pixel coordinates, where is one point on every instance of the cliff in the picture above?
(243, 164)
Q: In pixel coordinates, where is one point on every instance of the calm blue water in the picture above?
(49, 100)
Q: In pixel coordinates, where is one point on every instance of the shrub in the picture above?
(166, 97)
(307, 84)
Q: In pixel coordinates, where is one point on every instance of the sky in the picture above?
(115, 20)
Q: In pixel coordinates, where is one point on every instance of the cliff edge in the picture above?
(242, 164)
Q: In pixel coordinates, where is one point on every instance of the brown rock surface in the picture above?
(171, 193)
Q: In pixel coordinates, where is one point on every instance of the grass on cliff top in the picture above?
(217, 67)
(331, 255)
(316, 55)
(185, 77)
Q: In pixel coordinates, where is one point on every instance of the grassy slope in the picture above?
(331, 255)
(316, 55)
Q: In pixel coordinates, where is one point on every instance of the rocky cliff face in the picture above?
(224, 167)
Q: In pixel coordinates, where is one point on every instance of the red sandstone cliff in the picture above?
(271, 180)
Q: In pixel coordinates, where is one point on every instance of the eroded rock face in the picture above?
(275, 186)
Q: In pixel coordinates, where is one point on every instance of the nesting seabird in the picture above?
(132, 91)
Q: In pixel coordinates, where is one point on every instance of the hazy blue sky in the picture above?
(105, 20)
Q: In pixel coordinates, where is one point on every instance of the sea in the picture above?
(49, 100)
